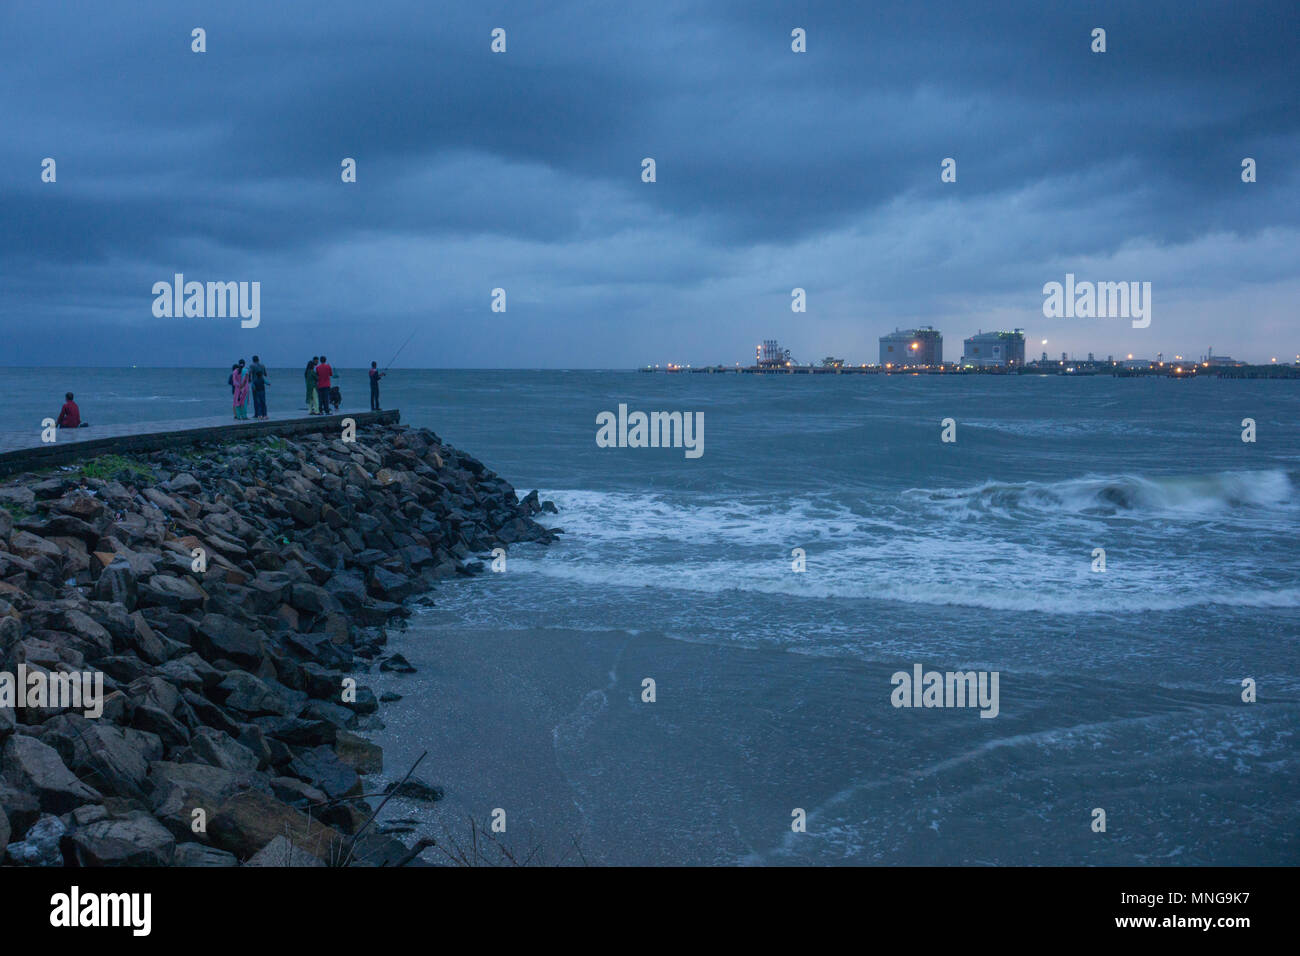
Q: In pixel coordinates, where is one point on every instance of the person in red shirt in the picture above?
(323, 373)
(69, 415)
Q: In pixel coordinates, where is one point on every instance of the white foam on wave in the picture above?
(680, 543)
(720, 577)
(1175, 496)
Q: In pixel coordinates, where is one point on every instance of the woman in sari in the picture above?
(313, 405)
(230, 380)
(240, 397)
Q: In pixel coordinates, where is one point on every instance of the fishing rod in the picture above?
(399, 351)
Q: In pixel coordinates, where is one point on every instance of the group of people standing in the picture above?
(321, 394)
(319, 390)
(245, 381)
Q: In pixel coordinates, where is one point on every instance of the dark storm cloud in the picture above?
(522, 171)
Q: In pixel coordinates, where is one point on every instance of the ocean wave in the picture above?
(1133, 494)
(1047, 428)
(861, 584)
(1165, 537)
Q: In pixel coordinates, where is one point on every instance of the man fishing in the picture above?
(376, 374)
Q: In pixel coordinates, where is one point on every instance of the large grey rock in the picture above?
(360, 754)
(222, 750)
(321, 682)
(281, 852)
(22, 498)
(313, 599)
(21, 808)
(134, 840)
(390, 586)
(30, 546)
(78, 504)
(336, 714)
(36, 767)
(414, 788)
(183, 484)
(349, 587)
(40, 846)
(181, 788)
(297, 731)
(146, 642)
(115, 759)
(250, 820)
(11, 564)
(196, 854)
(117, 583)
(322, 768)
(248, 695)
(179, 594)
(153, 719)
(220, 637)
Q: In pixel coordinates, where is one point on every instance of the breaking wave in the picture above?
(1176, 495)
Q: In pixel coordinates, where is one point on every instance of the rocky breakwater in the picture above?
(227, 601)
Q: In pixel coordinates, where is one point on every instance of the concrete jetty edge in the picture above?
(54, 453)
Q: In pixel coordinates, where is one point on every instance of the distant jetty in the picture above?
(1177, 370)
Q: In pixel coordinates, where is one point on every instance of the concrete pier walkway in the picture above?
(24, 451)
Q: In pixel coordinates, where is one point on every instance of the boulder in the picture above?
(296, 792)
(37, 768)
(222, 638)
(196, 854)
(173, 593)
(359, 753)
(322, 768)
(136, 839)
(29, 546)
(390, 586)
(21, 808)
(40, 846)
(365, 702)
(114, 759)
(250, 696)
(349, 588)
(313, 600)
(281, 852)
(222, 750)
(415, 789)
(145, 641)
(154, 720)
(117, 583)
(396, 663)
(19, 497)
(248, 821)
(297, 731)
(80, 505)
(183, 484)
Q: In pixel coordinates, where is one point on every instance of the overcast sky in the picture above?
(522, 171)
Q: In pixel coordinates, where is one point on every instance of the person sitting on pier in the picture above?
(69, 415)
